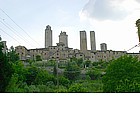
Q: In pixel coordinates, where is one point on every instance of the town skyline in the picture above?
(113, 22)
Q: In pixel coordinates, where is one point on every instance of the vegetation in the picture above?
(122, 75)
(5, 69)
(76, 75)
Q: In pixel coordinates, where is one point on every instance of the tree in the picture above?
(31, 75)
(87, 63)
(38, 58)
(72, 71)
(120, 72)
(43, 77)
(12, 56)
(94, 73)
(75, 88)
(5, 69)
(55, 70)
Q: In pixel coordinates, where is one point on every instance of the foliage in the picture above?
(61, 89)
(31, 75)
(92, 86)
(20, 70)
(12, 56)
(6, 70)
(43, 77)
(15, 85)
(87, 63)
(54, 70)
(128, 86)
(64, 81)
(72, 71)
(38, 58)
(75, 88)
(120, 72)
(94, 73)
(51, 62)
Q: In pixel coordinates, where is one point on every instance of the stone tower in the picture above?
(63, 38)
(83, 41)
(138, 25)
(103, 46)
(48, 36)
(92, 41)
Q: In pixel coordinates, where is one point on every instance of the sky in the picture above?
(112, 20)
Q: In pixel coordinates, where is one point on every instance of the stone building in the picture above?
(62, 52)
(103, 46)
(83, 41)
(63, 38)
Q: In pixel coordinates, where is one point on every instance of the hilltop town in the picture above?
(62, 51)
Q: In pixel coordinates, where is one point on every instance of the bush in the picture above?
(120, 73)
(77, 88)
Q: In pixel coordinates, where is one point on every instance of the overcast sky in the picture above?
(112, 20)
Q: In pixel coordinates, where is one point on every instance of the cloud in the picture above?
(107, 9)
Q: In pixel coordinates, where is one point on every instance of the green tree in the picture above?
(43, 77)
(77, 88)
(6, 70)
(120, 72)
(12, 56)
(20, 70)
(15, 85)
(31, 75)
(87, 63)
(94, 74)
(63, 81)
(72, 71)
(38, 58)
(54, 70)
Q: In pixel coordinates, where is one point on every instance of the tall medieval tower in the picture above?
(83, 41)
(92, 41)
(63, 38)
(48, 36)
(138, 25)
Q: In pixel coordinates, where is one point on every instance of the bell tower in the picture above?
(48, 36)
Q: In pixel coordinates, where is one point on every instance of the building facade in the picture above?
(63, 38)
(62, 52)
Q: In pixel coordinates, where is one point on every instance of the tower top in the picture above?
(138, 22)
(48, 27)
(63, 33)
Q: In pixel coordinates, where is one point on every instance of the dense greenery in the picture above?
(33, 76)
(75, 75)
(122, 75)
(5, 69)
